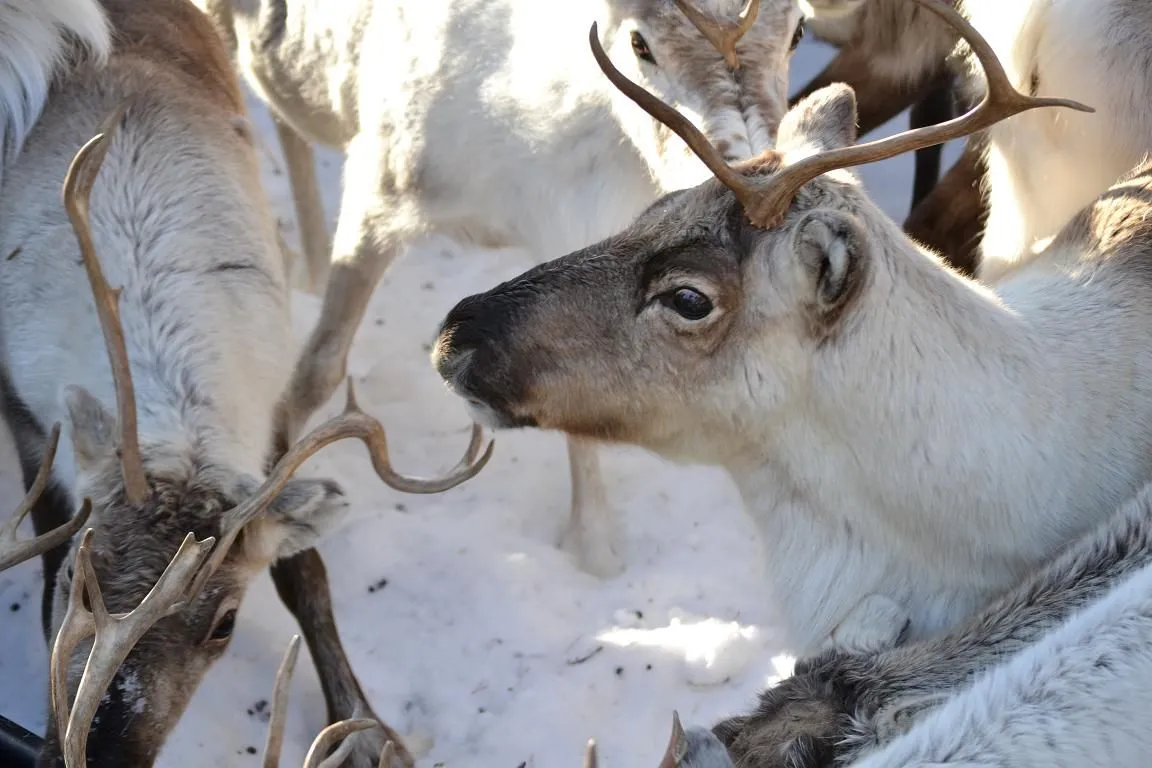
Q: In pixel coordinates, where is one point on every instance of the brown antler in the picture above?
(682, 126)
(674, 754)
(353, 422)
(115, 636)
(591, 760)
(13, 551)
(723, 36)
(78, 185)
(766, 202)
(337, 732)
(387, 755)
(279, 712)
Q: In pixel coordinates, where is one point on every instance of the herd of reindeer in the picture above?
(942, 428)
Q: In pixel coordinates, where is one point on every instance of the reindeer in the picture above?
(551, 159)
(198, 331)
(910, 442)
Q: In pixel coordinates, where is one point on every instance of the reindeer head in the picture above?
(129, 547)
(726, 66)
(716, 309)
(132, 681)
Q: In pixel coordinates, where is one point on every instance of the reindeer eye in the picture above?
(688, 303)
(224, 626)
(797, 36)
(641, 49)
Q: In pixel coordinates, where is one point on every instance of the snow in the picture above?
(471, 633)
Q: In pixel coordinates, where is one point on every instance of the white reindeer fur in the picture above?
(178, 315)
(1079, 696)
(489, 121)
(34, 40)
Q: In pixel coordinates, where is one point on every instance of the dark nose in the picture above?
(469, 327)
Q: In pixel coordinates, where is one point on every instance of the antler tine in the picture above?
(1000, 102)
(353, 422)
(12, 551)
(78, 185)
(279, 714)
(591, 760)
(722, 36)
(748, 17)
(115, 637)
(680, 125)
(674, 754)
(332, 734)
(387, 755)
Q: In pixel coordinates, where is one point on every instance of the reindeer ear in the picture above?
(299, 517)
(727, 730)
(92, 427)
(704, 749)
(831, 249)
(824, 120)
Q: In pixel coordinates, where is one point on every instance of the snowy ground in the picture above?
(465, 624)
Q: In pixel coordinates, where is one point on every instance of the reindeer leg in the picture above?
(301, 162)
(302, 583)
(593, 533)
(362, 250)
(878, 98)
(951, 218)
(936, 107)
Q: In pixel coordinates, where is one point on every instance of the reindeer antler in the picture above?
(723, 36)
(591, 760)
(115, 636)
(318, 757)
(677, 744)
(766, 202)
(13, 551)
(78, 183)
(353, 422)
(279, 712)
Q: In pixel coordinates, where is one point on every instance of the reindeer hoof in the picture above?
(596, 555)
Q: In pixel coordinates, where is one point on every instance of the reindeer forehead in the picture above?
(719, 9)
(133, 546)
(704, 215)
